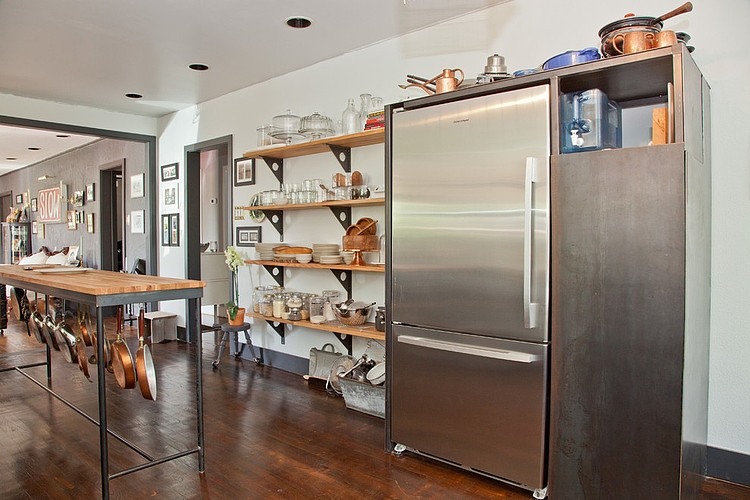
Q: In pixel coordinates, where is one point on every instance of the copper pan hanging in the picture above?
(144, 364)
(122, 360)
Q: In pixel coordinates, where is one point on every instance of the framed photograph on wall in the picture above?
(90, 223)
(247, 236)
(171, 198)
(137, 189)
(90, 192)
(19, 199)
(77, 199)
(34, 227)
(169, 172)
(174, 236)
(166, 230)
(71, 220)
(34, 205)
(244, 171)
(138, 221)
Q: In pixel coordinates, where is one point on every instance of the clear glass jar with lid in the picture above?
(279, 305)
(316, 306)
(266, 305)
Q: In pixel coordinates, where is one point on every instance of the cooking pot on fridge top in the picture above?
(632, 22)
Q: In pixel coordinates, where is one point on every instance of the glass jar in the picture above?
(364, 109)
(305, 310)
(266, 305)
(279, 305)
(316, 305)
(258, 293)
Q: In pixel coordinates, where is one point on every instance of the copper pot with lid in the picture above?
(612, 35)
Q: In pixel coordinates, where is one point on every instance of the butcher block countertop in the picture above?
(99, 287)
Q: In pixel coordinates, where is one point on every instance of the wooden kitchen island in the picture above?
(107, 288)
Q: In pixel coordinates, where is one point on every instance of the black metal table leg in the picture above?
(194, 332)
(100, 369)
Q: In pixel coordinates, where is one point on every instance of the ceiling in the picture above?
(93, 52)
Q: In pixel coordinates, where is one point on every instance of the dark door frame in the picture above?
(107, 200)
(192, 223)
(151, 170)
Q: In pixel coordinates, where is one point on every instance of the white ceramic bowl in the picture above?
(304, 258)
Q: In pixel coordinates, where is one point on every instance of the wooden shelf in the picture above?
(367, 138)
(366, 330)
(340, 267)
(323, 204)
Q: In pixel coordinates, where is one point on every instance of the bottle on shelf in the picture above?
(350, 120)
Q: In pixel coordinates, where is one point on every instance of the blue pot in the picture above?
(572, 57)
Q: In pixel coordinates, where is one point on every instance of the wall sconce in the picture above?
(45, 177)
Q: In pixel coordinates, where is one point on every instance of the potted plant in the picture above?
(235, 313)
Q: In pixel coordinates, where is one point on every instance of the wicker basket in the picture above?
(354, 317)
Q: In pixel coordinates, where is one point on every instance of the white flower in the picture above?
(234, 259)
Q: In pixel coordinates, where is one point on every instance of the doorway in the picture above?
(6, 203)
(208, 204)
(112, 213)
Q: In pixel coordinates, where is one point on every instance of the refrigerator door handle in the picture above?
(530, 309)
(485, 352)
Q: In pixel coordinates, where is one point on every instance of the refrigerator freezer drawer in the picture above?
(478, 402)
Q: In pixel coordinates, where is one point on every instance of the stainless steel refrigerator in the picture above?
(467, 282)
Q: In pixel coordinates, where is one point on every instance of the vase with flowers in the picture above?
(234, 261)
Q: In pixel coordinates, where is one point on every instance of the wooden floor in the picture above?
(268, 435)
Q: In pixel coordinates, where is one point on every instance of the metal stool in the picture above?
(226, 328)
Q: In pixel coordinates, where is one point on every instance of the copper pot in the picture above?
(122, 360)
(631, 23)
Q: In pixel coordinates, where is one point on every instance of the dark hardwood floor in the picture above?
(268, 435)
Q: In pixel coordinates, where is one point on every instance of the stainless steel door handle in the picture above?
(530, 309)
(485, 352)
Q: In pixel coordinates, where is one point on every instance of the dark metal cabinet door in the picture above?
(618, 288)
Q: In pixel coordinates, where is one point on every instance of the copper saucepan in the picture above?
(66, 339)
(613, 34)
(122, 360)
(144, 364)
(49, 332)
(83, 363)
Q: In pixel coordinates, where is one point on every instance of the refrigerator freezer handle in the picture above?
(485, 352)
(530, 309)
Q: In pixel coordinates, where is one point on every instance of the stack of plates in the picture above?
(265, 250)
(331, 259)
(327, 250)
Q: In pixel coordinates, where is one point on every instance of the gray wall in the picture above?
(76, 169)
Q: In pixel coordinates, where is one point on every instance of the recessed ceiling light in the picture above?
(62, 136)
(34, 149)
(298, 22)
(133, 95)
(198, 67)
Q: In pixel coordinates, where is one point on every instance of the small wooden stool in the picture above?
(226, 328)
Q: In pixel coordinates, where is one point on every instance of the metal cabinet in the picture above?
(630, 294)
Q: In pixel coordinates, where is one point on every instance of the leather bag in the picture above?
(321, 361)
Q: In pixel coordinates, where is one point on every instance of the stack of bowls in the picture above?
(327, 253)
(265, 250)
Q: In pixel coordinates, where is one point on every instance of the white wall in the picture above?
(526, 32)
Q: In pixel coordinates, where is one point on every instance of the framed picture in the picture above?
(169, 172)
(34, 205)
(244, 171)
(137, 190)
(90, 223)
(40, 230)
(34, 227)
(174, 233)
(171, 201)
(19, 199)
(52, 204)
(90, 193)
(77, 199)
(166, 230)
(247, 236)
(71, 220)
(137, 221)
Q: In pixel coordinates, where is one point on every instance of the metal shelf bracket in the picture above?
(278, 328)
(346, 340)
(343, 215)
(277, 167)
(343, 155)
(345, 278)
(276, 273)
(276, 218)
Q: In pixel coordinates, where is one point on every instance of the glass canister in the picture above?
(317, 303)
(266, 305)
(278, 304)
(305, 311)
(294, 305)
(332, 298)
(258, 293)
(350, 119)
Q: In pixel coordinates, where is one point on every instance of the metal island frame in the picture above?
(102, 289)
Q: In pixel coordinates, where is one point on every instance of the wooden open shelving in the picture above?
(322, 204)
(366, 330)
(366, 138)
(312, 265)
